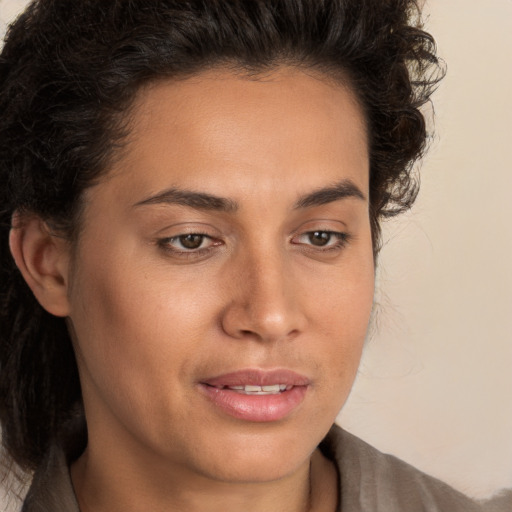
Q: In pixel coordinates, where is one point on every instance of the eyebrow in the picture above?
(202, 201)
(342, 190)
(196, 200)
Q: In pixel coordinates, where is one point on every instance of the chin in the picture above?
(257, 458)
(256, 470)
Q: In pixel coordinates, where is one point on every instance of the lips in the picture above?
(256, 395)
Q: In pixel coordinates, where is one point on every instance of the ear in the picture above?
(43, 260)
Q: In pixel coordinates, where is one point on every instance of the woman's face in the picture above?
(229, 248)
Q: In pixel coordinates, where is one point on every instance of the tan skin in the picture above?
(280, 276)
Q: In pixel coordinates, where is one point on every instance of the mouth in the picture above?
(256, 395)
(251, 389)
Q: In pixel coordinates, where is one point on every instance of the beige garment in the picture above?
(369, 481)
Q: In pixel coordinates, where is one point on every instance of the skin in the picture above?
(151, 319)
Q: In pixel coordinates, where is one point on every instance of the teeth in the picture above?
(250, 389)
(271, 389)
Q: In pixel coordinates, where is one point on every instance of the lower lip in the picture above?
(258, 408)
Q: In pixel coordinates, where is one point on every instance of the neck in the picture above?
(105, 484)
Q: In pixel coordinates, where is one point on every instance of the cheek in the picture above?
(340, 312)
(341, 299)
(130, 325)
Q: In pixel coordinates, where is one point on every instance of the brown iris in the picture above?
(191, 241)
(319, 238)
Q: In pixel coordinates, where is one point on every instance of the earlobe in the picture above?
(43, 260)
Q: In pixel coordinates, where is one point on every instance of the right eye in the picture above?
(192, 241)
(187, 242)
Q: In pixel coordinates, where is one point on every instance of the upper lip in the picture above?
(258, 377)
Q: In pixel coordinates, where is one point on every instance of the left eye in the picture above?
(321, 239)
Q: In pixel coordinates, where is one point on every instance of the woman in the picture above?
(191, 197)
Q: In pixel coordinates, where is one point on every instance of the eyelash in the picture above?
(341, 240)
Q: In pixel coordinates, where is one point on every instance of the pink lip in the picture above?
(256, 408)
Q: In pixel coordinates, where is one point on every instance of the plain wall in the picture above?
(435, 384)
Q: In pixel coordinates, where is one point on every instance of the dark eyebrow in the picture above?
(197, 200)
(341, 190)
(202, 201)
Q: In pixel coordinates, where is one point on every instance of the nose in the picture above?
(265, 303)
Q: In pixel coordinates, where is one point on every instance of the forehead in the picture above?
(218, 129)
(288, 94)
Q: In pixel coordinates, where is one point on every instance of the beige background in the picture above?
(435, 384)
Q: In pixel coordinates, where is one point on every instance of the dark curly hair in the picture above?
(69, 72)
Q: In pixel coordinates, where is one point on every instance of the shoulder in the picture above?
(51, 489)
(372, 480)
